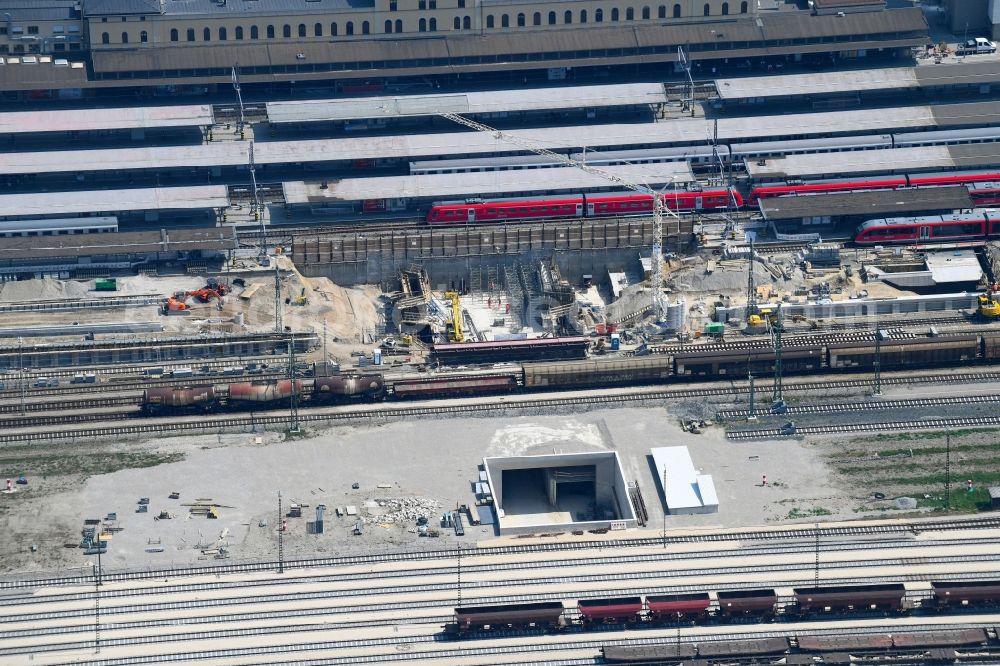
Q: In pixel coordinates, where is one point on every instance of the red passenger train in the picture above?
(878, 183)
(978, 226)
(577, 205)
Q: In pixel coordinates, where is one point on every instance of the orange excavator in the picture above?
(178, 302)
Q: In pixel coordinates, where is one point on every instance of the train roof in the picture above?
(62, 224)
(486, 162)
(487, 101)
(816, 143)
(466, 143)
(922, 219)
(436, 186)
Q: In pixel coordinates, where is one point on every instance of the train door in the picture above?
(925, 232)
(590, 210)
(472, 215)
(698, 202)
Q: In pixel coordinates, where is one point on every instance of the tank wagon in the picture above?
(168, 398)
(722, 606)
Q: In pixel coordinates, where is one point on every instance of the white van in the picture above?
(977, 45)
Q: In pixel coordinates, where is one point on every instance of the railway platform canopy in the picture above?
(115, 201)
(857, 82)
(468, 103)
(90, 120)
(467, 143)
(836, 207)
(494, 183)
(889, 160)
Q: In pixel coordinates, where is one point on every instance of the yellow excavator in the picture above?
(455, 332)
(989, 307)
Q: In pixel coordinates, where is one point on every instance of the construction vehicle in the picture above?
(455, 325)
(989, 307)
(301, 299)
(175, 303)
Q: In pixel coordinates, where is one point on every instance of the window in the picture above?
(743, 7)
(708, 9)
(552, 18)
(568, 17)
(105, 38)
(286, 31)
(190, 34)
(239, 32)
(422, 25)
(318, 30)
(174, 35)
(504, 21)
(489, 21)
(662, 12)
(270, 32)
(599, 15)
(124, 38)
(32, 29)
(223, 35)
(144, 37)
(725, 8)
(349, 29)
(302, 29)
(536, 19)
(461, 4)
(3, 30)
(677, 10)
(333, 29)
(458, 23)
(583, 16)
(433, 4)
(366, 28)
(393, 5)
(629, 14)
(422, 4)
(645, 13)
(206, 35)
(399, 24)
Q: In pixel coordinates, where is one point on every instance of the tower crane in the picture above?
(659, 205)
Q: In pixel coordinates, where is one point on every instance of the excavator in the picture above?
(455, 326)
(989, 307)
(215, 289)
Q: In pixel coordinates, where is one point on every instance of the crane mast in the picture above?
(659, 204)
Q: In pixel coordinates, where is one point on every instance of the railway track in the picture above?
(890, 426)
(400, 410)
(868, 405)
(747, 536)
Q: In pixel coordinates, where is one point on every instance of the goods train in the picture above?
(979, 226)
(726, 606)
(707, 363)
(936, 646)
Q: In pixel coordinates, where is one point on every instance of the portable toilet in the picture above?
(377, 356)
(616, 341)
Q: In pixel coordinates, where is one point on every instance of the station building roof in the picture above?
(874, 203)
(538, 99)
(123, 243)
(889, 160)
(112, 201)
(859, 80)
(496, 183)
(78, 120)
(680, 130)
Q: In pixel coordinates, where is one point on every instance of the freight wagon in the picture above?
(577, 374)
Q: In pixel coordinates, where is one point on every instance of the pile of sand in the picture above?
(26, 291)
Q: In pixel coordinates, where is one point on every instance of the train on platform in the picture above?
(975, 226)
(692, 364)
(980, 196)
(742, 606)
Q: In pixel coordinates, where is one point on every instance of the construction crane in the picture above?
(455, 329)
(659, 204)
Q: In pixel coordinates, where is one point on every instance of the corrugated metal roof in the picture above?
(111, 201)
(965, 73)
(122, 7)
(862, 161)
(496, 183)
(975, 154)
(693, 130)
(972, 113)
(877, 203)
(18, 122)
(275, 7)
(38, 10)
(472, 102)
(132, 242)
(817, 83)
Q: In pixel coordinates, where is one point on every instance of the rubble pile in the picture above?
(402, 510)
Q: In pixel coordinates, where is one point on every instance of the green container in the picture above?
(715, 328)
(106, 284)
